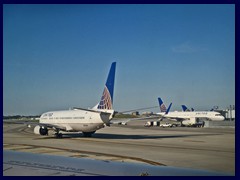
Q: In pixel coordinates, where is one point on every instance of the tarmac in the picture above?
(197, 148)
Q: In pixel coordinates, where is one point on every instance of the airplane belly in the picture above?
(86, 127)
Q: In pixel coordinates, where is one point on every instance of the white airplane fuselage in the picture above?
(211, 115)
(76, 120)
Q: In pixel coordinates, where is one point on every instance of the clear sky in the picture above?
(58, 56)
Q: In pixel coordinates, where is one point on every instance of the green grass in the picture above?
(125, 116)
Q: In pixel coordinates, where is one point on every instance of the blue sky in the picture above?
(58, 56)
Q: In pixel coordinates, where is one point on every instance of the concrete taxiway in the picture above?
(198, 148)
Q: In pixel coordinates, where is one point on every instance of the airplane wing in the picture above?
(30, 124)
(30, 164)
(92, 110)
(49, 126)
(124, 121)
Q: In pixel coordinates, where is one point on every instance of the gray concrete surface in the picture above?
(198, 148)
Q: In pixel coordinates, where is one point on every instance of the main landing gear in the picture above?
(58, 134)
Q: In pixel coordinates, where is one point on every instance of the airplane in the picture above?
(189, 118)
(82, 120)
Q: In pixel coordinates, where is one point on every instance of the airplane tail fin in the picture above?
(106, 101)
(184, 108)
(161, 105)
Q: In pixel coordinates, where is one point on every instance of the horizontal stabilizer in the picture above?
(92, 110)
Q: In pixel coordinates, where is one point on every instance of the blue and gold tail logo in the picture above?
(163, 108)
(106, 100)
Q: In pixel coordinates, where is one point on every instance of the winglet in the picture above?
(168, 109)
(161, 105)
(107, 96)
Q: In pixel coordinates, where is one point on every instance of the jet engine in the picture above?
(41, 130)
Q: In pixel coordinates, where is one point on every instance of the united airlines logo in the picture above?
(163, 108)
(106, 101)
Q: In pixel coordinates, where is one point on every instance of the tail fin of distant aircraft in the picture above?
(162, 106)
(107, 95)
(184, 108)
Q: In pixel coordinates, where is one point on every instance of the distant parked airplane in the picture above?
(189, 118)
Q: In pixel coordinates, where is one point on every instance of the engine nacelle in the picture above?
(41, 130)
